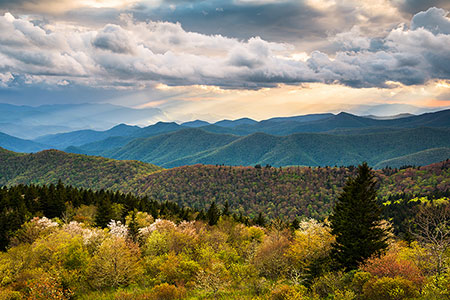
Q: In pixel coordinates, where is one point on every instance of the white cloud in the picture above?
(139, 54)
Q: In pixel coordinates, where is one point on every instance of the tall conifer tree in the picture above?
(213, 214)
(355, 221)
(104, 211)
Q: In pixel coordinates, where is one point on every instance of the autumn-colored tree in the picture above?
(116, 263)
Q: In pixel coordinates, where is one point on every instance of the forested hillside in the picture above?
(49, 166)
(276, 192)
(309, 140)
(195, 145)
(110, 246)
(284, 192)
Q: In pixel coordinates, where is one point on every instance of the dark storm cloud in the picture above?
(415, 6)
(282, 21)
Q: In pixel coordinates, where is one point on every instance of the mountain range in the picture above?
(29, 122)
(311, 140)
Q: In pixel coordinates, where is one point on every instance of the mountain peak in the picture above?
(196, 123)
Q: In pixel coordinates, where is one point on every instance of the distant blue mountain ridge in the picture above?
(314, 139)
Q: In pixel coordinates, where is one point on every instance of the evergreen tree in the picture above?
(259, 220)
(226, 209)
(355, 221)
(213, 214)
(133, 226)
(104, 212)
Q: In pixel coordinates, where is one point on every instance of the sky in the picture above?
(215, 59)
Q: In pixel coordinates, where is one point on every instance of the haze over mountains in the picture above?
(311, 140)
(30, 122)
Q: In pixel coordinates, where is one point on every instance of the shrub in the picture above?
(390, 265)
(10, 295)
(389, 288)
(327, 284)
(46, 288)
(270, 259)
(127, 295)
(286, 292)
(437, 287)
(167, 291)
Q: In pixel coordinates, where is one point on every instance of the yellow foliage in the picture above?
(312, 241)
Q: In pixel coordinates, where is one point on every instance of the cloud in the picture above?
(114, 38)
(433, 20)
(415, 6)
(300, 22)
(61, 6)
(137, 55)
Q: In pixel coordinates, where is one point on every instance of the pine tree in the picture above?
(213, 214)
(226, 209)
(355, 221)
(104, 212)
(133, 226)
(259, 220)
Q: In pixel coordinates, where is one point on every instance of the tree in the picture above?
(116, 263)
(355, 221)
(259, 220)
(433, 231)
(104, 212)
(226, 209)
(213, 214)
(133, 226)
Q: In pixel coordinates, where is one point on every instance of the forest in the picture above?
(285, 192)
(63, 242)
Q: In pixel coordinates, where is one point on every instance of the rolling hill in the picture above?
(313, 140)
(19, 145)
(284, 192)
(82, 171)
(81, 137)
(195, 145)
(428, 156)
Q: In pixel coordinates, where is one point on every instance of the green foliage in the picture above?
(356, 221)
(286, 148)
(19, 203)
(166, 291)
(213, 214)
(194, 260)
(277, 192)
(116, 263)
(390, 288)
(287, 292)
(82, 171)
